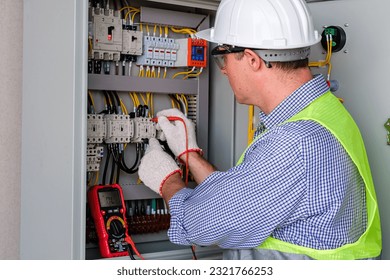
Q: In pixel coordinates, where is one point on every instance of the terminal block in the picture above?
(94, 157)
(119, 128)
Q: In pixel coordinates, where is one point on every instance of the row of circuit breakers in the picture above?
(116, 129)
(114, 39)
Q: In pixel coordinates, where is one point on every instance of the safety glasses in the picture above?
(219, 54)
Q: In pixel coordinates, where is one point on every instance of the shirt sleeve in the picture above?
(241, 207)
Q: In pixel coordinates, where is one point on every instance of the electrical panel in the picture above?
(140, 60)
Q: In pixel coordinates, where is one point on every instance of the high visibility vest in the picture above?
(328, 111)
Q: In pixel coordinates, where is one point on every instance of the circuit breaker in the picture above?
(132, 42)
(107, 34)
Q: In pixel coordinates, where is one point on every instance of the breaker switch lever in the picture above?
(110, 29)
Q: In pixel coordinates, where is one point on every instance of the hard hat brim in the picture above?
(205, 35)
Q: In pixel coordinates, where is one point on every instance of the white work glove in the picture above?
(156, 166)
(176, 134)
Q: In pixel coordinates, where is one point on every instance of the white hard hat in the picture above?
(263, 24)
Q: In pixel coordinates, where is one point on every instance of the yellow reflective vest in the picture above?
(328, 111)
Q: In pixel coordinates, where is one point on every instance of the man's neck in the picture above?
(279, 86)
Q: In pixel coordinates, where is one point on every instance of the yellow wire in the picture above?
(132, 18)
(184, 30)
(127, 14)
(148, 98)
(90, 96)
(184, 98)
(159, 72)
(147, 72)
(141, 71)
(135, 98)
(143, 99)
(193, 75)
(173, 103)
(154, 30)
(183, 73)
(327, 61)
(129, 7)
(165, 73)
(132, 98)
(251, 130)
(166, 31)
(97, 177)
(123, 106)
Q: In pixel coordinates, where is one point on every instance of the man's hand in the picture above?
(181, 138)
(156, 166)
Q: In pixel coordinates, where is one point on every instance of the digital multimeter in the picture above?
(109, 214)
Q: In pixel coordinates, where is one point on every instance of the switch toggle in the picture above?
(110, 29)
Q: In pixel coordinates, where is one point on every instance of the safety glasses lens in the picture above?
(219, 53)
(220, 59)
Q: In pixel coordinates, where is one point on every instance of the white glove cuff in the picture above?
(197, 150)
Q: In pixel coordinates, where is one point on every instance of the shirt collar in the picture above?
(295, 102)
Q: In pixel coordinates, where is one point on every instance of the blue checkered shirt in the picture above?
(296, 184)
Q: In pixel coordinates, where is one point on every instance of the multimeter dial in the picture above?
(116, 227)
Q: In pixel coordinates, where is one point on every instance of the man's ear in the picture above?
(253, 59)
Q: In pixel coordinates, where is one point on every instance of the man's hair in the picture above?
(291, 65)
(285, 66)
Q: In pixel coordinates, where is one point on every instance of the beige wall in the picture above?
(11, 27)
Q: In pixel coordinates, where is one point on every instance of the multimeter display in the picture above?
(109, 198)
(108, 212)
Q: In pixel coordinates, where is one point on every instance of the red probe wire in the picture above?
(171, 118)
(128, 239)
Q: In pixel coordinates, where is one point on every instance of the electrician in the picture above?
(303, 188)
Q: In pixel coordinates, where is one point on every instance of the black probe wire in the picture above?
(108, 146)
(131, 253)
(115, 101)
(106, 165)
(118, 170)
(113, 165)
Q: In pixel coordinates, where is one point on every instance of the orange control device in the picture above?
(197, 50)
(109, 214)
